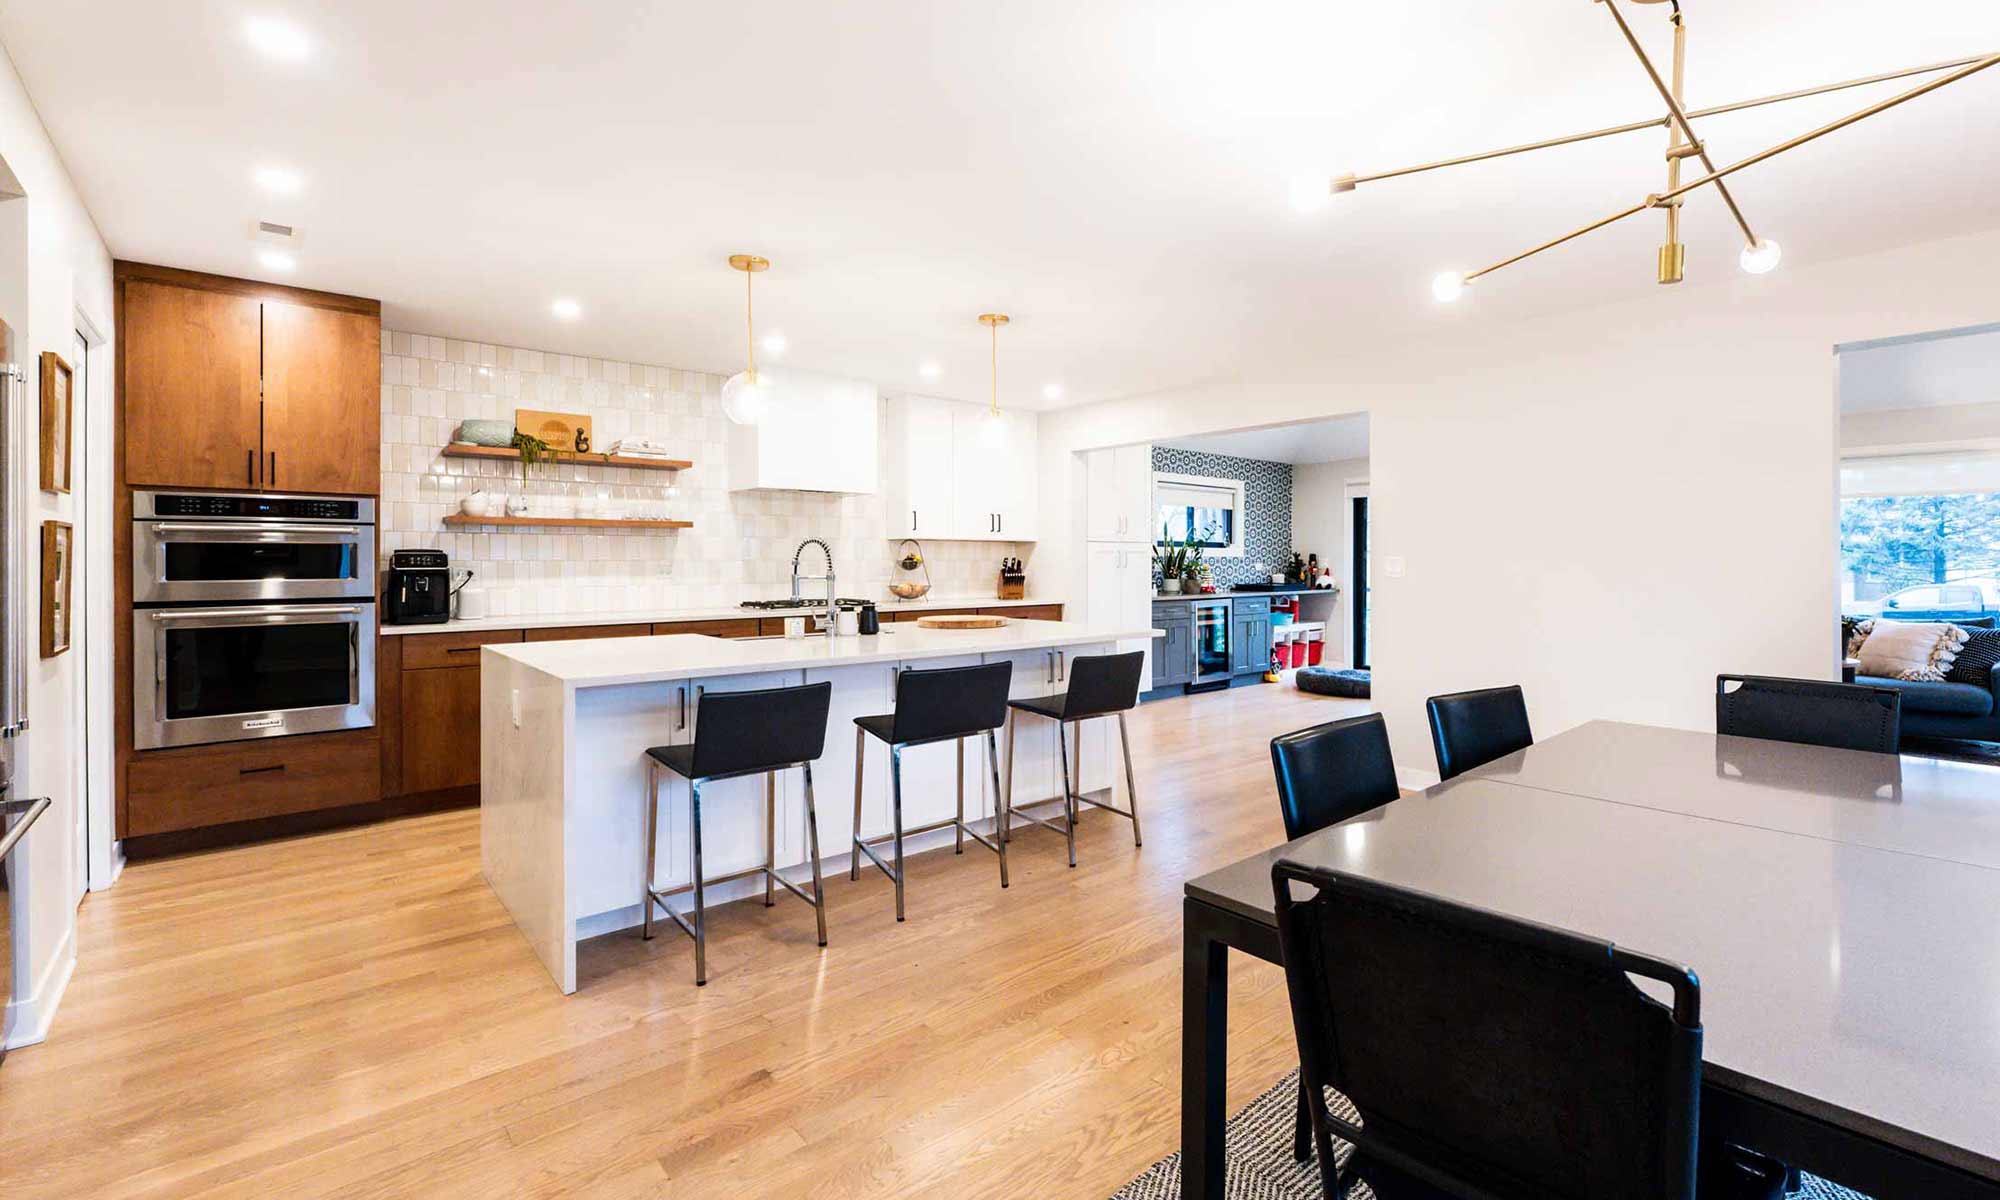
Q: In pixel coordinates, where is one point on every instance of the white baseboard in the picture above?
(29, 1017)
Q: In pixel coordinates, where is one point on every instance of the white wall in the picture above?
(1319, 526)
(52, 266)
(1609, 507)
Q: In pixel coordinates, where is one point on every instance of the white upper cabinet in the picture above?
(954, 473)
(916, 479)
(820, 434)
(1118, 494)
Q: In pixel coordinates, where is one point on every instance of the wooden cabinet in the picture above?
(736, 627)
(170, 790)
(322, 400)
(1026, 612)
(422, 651)
(571, 633)
(440, 729)
(191, 364)
(226, 383)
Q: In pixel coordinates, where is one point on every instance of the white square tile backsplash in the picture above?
(741, 544)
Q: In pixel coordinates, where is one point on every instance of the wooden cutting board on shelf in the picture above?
(961, 622)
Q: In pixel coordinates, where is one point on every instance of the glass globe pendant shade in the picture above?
(993, 430)
(746, 398)
(1761, 258)
(1448, 287)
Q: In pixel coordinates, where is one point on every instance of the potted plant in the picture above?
(1171, 558)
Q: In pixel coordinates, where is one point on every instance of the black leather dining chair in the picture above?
(1486, 1056)
(1471, 729)
(1327, 774)
(1813, 712)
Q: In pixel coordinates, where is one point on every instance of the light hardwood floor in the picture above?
(352, 1014)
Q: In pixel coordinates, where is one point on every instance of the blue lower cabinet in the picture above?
(1173, 655)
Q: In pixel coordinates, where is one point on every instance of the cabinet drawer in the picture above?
(572, 633)
(214, 785)
(734, 627)
(422, 650)
(1243, 606)
(1026, 612)
(910, 615)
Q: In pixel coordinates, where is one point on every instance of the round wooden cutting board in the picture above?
(961, 622)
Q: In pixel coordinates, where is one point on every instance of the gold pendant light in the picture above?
(1759, 254)
(995, 429)
(745, 399)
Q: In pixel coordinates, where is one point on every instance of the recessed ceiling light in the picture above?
(774, 344)
(277, 39)
(1053, 391)
(930, 370)
(568, 310)
(276, 260)
(279, 180)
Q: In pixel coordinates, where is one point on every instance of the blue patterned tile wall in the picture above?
(1267, 500)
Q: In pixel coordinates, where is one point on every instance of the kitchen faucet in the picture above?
(827, 551)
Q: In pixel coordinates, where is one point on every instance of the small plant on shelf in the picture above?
(532, 450)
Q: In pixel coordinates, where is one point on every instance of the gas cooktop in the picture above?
(803, 602)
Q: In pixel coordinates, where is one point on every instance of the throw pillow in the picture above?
(1976, 659)
(1914, 650)
(1857, 633)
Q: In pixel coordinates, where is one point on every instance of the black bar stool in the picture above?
(1100, 685)
(740, 733)
(946, 704)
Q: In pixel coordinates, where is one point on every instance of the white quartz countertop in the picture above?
(712, 613)
(598, 662)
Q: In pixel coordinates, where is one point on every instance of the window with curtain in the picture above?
(1920, 535)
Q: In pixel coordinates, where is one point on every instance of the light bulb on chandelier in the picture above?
(1448, 286)
(1761, 258)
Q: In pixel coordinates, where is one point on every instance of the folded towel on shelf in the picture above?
(662, 455)
(638, 444)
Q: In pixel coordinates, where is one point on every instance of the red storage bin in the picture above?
(1295, 652)
(1315, 648)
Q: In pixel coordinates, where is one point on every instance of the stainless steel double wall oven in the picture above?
(253, 615)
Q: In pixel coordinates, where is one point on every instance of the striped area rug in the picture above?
(1260, 1164)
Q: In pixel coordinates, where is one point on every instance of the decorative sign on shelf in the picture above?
(561, 431)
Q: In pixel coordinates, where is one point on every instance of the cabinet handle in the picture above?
(913, 520)
(462, 650)
(273, 480)
(1062, 667)
(249, 468)
(260, 770)
(684, 707)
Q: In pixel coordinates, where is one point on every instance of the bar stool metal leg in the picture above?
(812, 845)
(1131, 788)
(1069, 794)
(770, 837)
(1007, 802)
(700, 908)
(652, 846)
(958, 831)
(1076, 762)
(999, 805)
(896, 804)
(860, 761)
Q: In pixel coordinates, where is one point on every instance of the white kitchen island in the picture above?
(564, 728)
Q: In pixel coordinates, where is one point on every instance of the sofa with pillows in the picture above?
(1949, 674)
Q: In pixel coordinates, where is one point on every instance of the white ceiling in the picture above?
(1308, 442)
(1113, 173)
(1929, 372)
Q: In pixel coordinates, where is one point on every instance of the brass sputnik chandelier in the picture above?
(1759, 254)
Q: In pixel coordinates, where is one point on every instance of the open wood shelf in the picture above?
(584, 522)
(588, 458)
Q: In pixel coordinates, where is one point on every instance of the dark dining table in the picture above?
(1841, 908)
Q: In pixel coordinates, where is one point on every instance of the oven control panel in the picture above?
(216, 504)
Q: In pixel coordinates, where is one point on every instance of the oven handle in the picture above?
(166, 529)
(271, 612)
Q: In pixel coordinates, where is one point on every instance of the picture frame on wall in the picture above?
(58, 546)
(57, 379)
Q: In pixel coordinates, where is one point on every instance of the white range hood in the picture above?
(818, 435)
